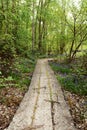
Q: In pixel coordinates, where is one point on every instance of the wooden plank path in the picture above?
(43, 106)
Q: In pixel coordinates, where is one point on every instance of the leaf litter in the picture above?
(10, 98)
(78, 109)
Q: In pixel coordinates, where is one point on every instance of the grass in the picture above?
(71, 76)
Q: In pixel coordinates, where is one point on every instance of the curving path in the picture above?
(43, 107)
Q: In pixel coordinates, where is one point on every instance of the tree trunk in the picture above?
(33, 28)
(73, 41)
(40, 26)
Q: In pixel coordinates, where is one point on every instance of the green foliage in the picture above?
(14, 35)
(7, 53)
(7, 82)
(21, 74)
(61, 69)
(73, 84)
(33, 30)
(47, 28)
(72, 77)
(84, 62)
(22, 69)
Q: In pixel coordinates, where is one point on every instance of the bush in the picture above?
(7, 54)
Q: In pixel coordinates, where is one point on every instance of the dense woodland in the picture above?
(32, 29)
(42, 26)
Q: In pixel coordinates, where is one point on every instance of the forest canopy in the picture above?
(49, 27)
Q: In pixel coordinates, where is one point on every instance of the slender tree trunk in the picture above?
(7, 4)
(63, 24)
(2, 25)
(33, 27)
(2, 5)
(40, 26)
(73, 41)
(81, 41)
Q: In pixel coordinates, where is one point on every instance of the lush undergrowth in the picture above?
(72, 76)
(20, 74)
(13, 85)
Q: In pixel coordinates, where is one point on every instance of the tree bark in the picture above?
(73, 41)
(33, 27)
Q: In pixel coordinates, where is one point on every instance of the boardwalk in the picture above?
(43, 107)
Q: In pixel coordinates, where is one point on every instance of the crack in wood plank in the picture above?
(33, 127)
(51, 101)
(39, 88)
